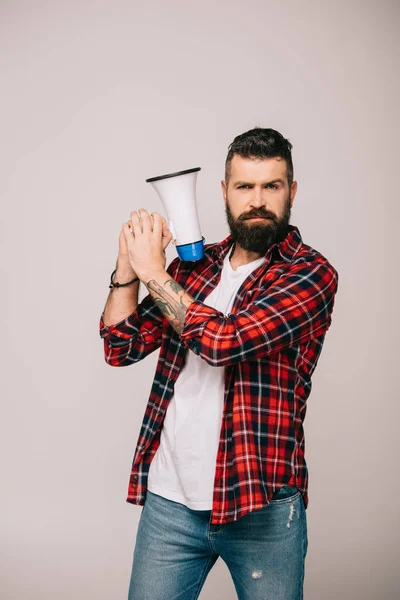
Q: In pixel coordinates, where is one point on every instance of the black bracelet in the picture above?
(116, 284)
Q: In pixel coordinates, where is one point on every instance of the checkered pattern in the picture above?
(269, 345)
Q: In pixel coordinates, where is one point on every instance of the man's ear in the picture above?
(223, 187)
(293, 191)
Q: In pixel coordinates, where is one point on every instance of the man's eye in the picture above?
(270, 185)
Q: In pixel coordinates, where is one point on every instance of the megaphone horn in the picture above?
(177, 192)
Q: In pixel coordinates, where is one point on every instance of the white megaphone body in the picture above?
(177, 192)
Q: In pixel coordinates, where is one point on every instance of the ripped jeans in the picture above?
(176, 547)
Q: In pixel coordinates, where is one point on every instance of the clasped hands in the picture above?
(146, 238)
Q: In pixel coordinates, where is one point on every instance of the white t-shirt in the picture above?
(183, 467)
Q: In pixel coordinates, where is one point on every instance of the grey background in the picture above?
(98, 96)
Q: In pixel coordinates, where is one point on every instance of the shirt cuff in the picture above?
(125, 329)
(197, 316)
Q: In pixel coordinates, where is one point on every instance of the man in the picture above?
(219, 464)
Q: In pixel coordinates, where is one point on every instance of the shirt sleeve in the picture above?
(136, 336)
(294, 309)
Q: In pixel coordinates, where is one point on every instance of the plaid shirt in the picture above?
(269, 345)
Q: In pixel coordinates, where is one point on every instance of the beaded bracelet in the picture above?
(116, 284)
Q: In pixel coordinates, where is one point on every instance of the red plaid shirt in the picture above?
(269, 345)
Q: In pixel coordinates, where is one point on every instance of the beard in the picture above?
(258, 236)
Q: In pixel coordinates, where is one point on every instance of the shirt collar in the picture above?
(286, 249)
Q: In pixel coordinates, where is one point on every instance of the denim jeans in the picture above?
(264, 550)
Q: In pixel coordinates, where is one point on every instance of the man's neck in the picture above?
(239, 256)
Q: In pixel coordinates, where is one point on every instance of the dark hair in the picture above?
(261, 143)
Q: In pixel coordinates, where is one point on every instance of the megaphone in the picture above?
(177, 192)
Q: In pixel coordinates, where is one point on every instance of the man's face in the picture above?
(258, 188)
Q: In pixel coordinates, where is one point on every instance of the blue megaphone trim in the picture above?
(192, 251)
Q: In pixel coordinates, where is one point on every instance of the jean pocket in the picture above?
(286, 493)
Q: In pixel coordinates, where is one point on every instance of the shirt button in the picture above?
(135, 477)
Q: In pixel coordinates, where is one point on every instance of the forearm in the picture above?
(170, 297)
(121, 301)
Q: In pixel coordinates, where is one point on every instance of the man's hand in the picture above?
(145, 239)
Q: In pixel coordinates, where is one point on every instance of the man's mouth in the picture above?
(256, 218)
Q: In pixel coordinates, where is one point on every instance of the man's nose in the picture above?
(257, 198)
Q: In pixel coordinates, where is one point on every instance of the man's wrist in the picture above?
(124, 271)
(154, 275)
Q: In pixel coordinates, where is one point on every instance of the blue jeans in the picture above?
(176, 548)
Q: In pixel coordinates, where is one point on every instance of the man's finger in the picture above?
(157, 224)
(146, 220)
(128, 233)
(136, 222)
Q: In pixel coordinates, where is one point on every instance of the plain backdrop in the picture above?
(95, 98)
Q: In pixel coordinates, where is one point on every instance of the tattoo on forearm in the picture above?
(173, 308)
